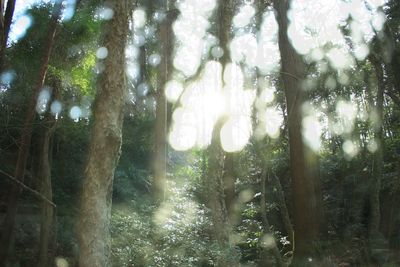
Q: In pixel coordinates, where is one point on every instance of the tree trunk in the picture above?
(105, 145)
(302, 160)
(26, 132)
(160, 151)
(5, 25)
(44, 174)
(229, 186)
(214, 182)
(268, 241)
(377, 166)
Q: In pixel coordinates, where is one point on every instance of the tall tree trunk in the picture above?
(160, 150)
(105, 144)
(229, 186)
(214, 182)
(25, 142)
(44, 174)
(306, 221)
(268, 241)
(5, 25)
(377, 166)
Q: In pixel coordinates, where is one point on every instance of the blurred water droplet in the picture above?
(139, 40)
(75, 113)
(217, 52)
(104, 13)
(55, 107)
(139, 18)
(20, 27)
(43, 100)
(154, 60)
(7, 77)
(102, 53)
(99, 68)
(143, 89)
(149, 32)
(159, 16)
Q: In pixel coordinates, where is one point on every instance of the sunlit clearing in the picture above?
(163, 213)
(104, 13)
(75, 113)
(20, 26)
(102, 53)
(235, 133)
(139, 18)
(173, 90)
(243, 18)
(43, 100)
(312, 130)
(61, 262)
(350, 149)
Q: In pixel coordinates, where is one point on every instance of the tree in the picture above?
(306, 217)
(105, 144)
(25, 142)
(165, 69)
(5, 25)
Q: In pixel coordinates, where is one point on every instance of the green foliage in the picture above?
(83, 74)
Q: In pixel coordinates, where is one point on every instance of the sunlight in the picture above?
(244, 16)
(311, 131)
(235, 133)
(350, 148)
(173, 90)
(20, 27)
(139, 18)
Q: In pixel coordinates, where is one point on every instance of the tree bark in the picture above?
(214, 182)
(160, 150)
(377, 165)
(25, 142)
(302, 159)
(268, 235)
(105, 145)
(5, 25)
(44, 174)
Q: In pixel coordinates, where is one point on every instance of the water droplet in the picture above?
(143, 89)
(104, 13)
(55, 107)
(75, 113)
(217, 52)
(139, 18)
(43, 100)
(154, 59)
(139, 40)
(7, 77)
(102, 53)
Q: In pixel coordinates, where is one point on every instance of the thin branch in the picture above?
(36, 193)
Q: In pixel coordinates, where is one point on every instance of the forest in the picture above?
(199, 133)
